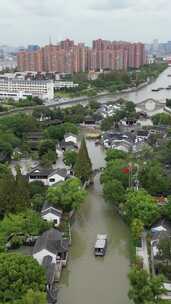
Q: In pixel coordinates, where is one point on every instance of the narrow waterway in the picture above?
(87, 279)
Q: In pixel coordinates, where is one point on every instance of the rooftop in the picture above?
(49, 208)
(51, 240)
(40, 171)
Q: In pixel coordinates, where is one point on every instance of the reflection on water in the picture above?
(87, 279)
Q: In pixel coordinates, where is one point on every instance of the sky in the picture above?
(25, 22)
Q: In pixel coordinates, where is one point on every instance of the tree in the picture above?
(115, 170)
(70, 128)
(165, 153)
(21, 195)
(34, 297)
(37, 187)
(37, 202)
(70, 158)
(7, 193)
(5, 150)
(19, 274)
(48, 159)
(45, 146)
(146, 153)
(140, 205)
(161, 119)
(113, 154)
(107, 123)
(75, 114)
(18, 124)
(68, 195)
(94, 104)
(164, 247)
(153, 178)
(26, 223)
(137, 228)
(114, 192)
(4, 170)
(83, 166)
(145, 289)
(55, 132)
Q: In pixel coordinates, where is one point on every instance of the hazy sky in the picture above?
(33, 21)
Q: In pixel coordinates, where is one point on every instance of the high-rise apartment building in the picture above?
(67, 57)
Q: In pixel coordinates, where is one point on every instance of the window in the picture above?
(52, 180)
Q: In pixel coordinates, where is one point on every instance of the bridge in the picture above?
(151, 106)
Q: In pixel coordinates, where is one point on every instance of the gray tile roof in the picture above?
(62, 172)
(51, 210)
(40, 171)
(51, 240)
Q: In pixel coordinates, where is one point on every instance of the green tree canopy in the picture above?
(18, 124)
(22, 195)
(114, 192)
(58, 132)
(4, 170)
(145, 289)
(107, 123)
(161, 119)
(153, 178)
(140, 205)
(114, 170)
(164, 247)
(137, 228)
(19, 274)
(70, 158)
(45, 146)
(83, 166)
(48, 159)
(68, 195)
(14, 192)
(34, 297)
(113, 154)
(27, 223)
(37, 187)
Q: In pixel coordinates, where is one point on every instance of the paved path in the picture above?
(145, 253)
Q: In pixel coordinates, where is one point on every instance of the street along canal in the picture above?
(87, 279)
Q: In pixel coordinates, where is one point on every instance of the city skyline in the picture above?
(21, 22)
(68, 57)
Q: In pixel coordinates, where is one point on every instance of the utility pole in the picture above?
(136, 177)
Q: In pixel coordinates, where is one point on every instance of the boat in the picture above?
(169, 87)
(100, 245)
(155, 90)
(169, 75)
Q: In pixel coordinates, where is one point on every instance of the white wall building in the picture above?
(51, 214)
(48, 177)
(65, 84)
(71, 138)
(21, 89)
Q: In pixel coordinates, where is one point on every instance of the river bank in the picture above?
(63, 102)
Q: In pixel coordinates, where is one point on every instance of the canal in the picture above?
(163, 81)
(87, 279)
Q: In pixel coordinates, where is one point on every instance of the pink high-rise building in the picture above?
(67, 57)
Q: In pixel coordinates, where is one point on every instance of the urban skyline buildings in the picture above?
(68, 57)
